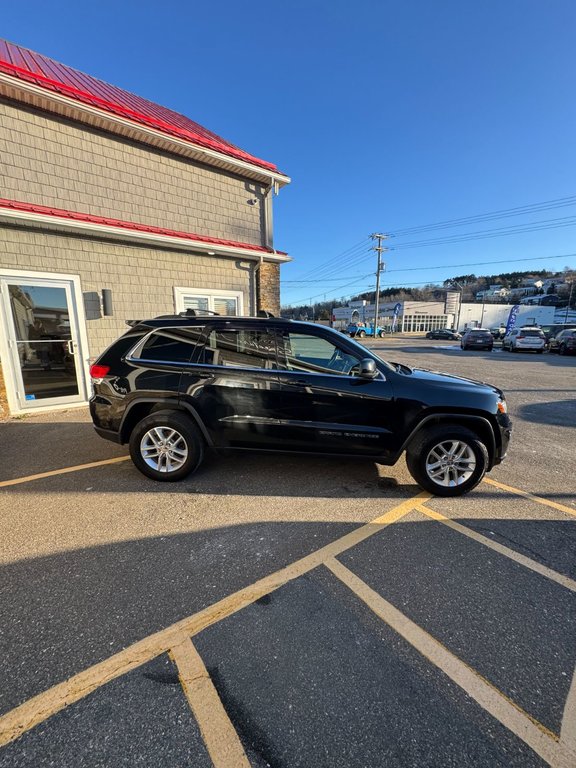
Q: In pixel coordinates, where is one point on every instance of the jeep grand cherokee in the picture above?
(174, 386)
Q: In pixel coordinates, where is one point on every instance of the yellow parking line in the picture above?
(222, 742)
(44, 705)
(510, 553)
(537, 736)
(568, 729)
(64, 471)
(531, 496)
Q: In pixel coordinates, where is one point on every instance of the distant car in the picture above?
(477, 338)
(527, 338)
(444, 333)
(554, 329)
(564, 342)
(361, 331)
(498, 333)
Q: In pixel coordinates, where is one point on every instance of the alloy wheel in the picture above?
(450, 463)
(164, 449)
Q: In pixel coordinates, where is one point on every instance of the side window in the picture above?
(171, 345)
(306, 352)
(243, 348)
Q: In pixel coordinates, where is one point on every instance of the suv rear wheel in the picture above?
(166, 446)
(447, 460)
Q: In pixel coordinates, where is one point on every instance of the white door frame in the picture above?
(82, 356)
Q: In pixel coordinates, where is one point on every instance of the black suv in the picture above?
(173, 386)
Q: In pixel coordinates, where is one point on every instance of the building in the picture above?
(114, 208)
(411, 316)
(423, 316)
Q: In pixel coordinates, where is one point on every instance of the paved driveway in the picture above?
(274, 611)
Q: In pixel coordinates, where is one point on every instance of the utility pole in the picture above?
(380, 266)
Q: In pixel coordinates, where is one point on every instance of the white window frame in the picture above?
(207, 293)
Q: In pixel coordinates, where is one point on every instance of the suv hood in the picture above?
(449, 381)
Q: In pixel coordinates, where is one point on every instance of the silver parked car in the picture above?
(528, 338)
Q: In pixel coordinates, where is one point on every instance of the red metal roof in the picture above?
(53, 76)
(16, 205)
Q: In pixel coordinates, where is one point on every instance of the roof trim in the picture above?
(49, 74)
(14, 211)
(72, 109)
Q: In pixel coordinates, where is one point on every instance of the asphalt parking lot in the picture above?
(288, 611)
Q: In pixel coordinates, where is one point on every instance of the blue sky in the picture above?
(386, 114)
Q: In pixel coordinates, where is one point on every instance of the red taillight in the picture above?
(99, 371)
(520, 337)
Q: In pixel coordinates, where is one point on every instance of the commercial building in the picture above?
(424, 316)
(114, 208)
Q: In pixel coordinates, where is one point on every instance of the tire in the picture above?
(441, 441)
(159, 431)
(562, 349)
(539, 351)
(382, 334)
(362, 334)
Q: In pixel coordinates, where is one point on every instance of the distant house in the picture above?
(494, 293)
(115, 208)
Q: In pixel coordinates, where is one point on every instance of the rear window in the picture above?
(480, 333)
(539, 334)
(171, 345)
(120, 347)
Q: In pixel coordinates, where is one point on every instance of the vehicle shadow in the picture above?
(63, 613)
(36, 448)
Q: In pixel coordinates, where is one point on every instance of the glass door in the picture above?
(43, 340)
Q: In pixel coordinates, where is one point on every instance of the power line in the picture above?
(448, 266)
(358, 253)
(521, 210)
(515, 229)
(344, 253)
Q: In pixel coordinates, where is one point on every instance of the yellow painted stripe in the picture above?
(222, 742)
(568, 729)
(537, 736)
(506, 551)
(44, 705)
(64, 471)
(531, 496)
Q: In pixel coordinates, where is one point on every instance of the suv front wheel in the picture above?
(166, 446)
(447, 460)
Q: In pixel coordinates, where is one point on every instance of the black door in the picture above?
(323, 404)
(232, 383)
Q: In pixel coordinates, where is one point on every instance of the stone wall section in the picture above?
(268, 288)
(49, 161)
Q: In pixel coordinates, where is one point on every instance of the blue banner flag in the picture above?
(397, 309)
(512, 318)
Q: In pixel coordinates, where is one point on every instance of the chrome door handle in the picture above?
(70, 344)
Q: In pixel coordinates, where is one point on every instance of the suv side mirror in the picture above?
(368, 368)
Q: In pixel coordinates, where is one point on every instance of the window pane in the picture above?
(225, 306)
(174, 346)
(241, 349)
(196, 302)
(304, 352)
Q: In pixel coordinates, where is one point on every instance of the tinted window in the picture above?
(305, 352)
(240, 348)
(539, 334)
(174, 345)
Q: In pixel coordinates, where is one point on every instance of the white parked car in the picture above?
(529, 338)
